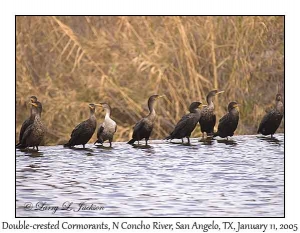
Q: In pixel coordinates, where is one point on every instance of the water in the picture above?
(244, 177)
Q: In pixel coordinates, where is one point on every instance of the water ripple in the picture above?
(242, 177)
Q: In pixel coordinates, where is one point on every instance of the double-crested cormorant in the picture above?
(84, 131)
(208, 118)
(229, 122)
(28, 121)
(34, 133)
(108, 128)
(187, 123)
(272, 119)
(144, 127)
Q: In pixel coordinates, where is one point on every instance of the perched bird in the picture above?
(108, 128)
(272, 119)
(84, 131)
(229, 122)
(34, 133)
(144, 127)
(28, 121)
(208, 118)
(187, 123)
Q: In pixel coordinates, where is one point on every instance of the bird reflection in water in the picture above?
(32, 153)
(139, 146)
(82, 149)
(104, 147)
(227, 142)
(207, 140)
(271, 140)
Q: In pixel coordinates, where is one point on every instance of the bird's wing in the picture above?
(214, 119)
(100, 130)
(27, 133)
(76, 131)
(182, 123)
(138, 126)
(223, 118)
(264, 120)
(25, 124)
(222, 122)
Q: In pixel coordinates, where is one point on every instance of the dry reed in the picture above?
(68, 62)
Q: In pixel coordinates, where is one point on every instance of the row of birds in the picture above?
(33, 130)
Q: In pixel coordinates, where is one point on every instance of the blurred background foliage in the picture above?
(70, 61)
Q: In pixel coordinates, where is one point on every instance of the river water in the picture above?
(242, 177)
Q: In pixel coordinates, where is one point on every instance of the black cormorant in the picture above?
(187, 123)
(272, 119)
(144, 127)
(208, 118)
(229, 122)
(34, 133)
(28, 121)
(84, 131)
(108, 128)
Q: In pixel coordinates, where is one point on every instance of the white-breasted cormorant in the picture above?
(108, 128)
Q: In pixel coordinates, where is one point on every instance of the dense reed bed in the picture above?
(68, 62)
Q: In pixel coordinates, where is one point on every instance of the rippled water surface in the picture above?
(242, 177)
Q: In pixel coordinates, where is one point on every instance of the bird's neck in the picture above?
(152, 113)
(92, 118)
(37, 117)
(196, 110)
(210, 103)
(107, 114)
(34, 113)
(279, 106)
(234, 111)
(92, 113)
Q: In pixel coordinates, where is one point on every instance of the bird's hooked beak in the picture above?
(34, 104)
(161, 96)
(236, 106)
(32, 100)
(219, 92)
(92, 106)
(202, 105)
(100, 105)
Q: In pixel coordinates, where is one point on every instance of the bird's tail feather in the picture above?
(131, 141)
(99, 141)
(20, 146)
(67, 144)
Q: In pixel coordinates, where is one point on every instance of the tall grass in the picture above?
(68, 62)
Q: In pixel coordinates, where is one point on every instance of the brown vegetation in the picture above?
(68, 62)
